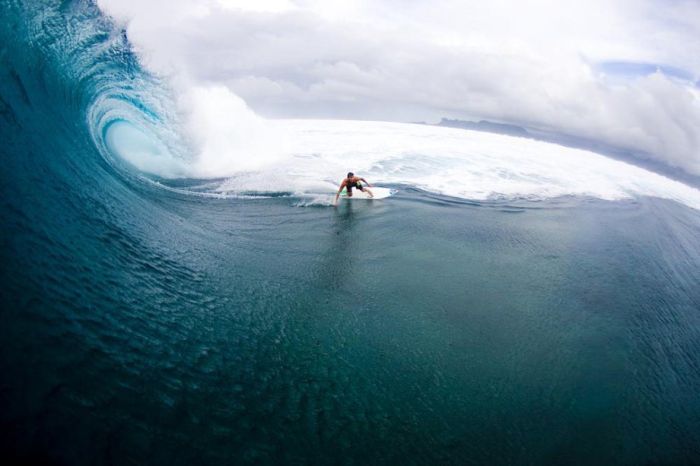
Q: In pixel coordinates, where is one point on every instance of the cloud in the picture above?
(538, 63)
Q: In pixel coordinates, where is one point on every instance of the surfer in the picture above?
(352, 181)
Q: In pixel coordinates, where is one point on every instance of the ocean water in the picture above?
(158, 309)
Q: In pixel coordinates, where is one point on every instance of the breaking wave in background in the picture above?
(169, 129)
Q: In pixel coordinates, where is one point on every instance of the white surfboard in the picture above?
(379, 193)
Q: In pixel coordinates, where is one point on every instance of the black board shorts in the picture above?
(355, 185)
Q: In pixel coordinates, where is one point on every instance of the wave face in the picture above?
(72, 86)
(164, 300)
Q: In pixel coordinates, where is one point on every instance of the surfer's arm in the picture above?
(337, 195)
(367, 182)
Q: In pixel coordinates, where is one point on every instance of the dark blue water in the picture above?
(145, 326)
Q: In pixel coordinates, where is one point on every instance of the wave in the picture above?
(71, 79)
(307, 157)
(168, 128)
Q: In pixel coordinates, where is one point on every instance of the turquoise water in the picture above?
(141, 325)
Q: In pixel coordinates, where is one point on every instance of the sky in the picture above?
(622, 72)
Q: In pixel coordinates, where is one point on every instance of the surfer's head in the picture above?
(350, 174)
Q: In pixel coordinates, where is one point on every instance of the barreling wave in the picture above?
(72, 71)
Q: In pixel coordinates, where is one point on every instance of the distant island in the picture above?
(488, 126)
(638, 158)
(540, 135)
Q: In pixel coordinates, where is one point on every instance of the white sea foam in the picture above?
(224, 134)
(454, 162)
(309, 157)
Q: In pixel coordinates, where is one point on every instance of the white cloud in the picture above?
(529, 63)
